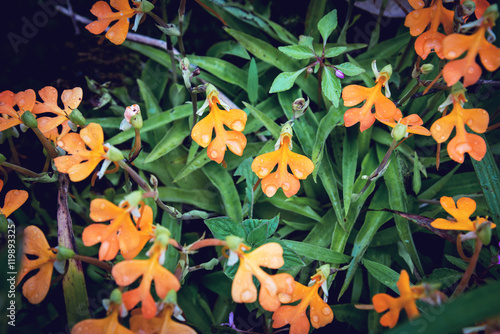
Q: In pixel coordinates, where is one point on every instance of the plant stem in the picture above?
(51, 151)
(470, 269)
(194, 100)
(408, 95)
(20, 169)
(15, 157)
(146, 187)
(101, 264)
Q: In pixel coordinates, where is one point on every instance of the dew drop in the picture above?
(86, 139)
(443, 138)
(438, 127)
(99, 238)
(270, 191)
(298, 173)
(285, 186)
(246, 296)
(37, 295)
(326, 310)
(470, 122)
(60, 143)
(111, 34)
(102, 206)
(463, 147)
(205, 139)
(315, 318)
(238, 126)
(416, 13)
(214, 154)
(276, 176)
(452, 54)
(285, 298)
(470, 70)
(21, 101)
(263, 172)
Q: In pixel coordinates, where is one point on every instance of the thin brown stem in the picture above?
(461, 251)
(51, 151)
(13, 150)
(470, 269)
(21, 170)
(90, 260)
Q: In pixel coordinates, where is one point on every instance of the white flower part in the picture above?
(135, 212)
(15, 133)
(73, 126)
(106, 303)
(387, 91)
(278, 144)
(233, 258)
(104, 167)
(202, 109)
(178, 313)
(138, 18)
(375, 69)
(324, 287)
(23, 127)
(491, 35)
(59, 266)
(161, 260)
(447, 102)
(123, 311)
(224, 105)
(125, 125)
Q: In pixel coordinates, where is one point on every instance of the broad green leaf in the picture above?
(257, 236)
(433, 190)
(156, 76)
(154, 122)
(266, 121)
(489, 178)
(315, 11)
(222, 69)
(152, 107)
(331, 86)
(308, 42)
(271, 225)
(316, 252)
(383, 274)
(284, 81)
(253, 82)
(292, 259)
(444, 276)
(158, 55)
(172, 139)
(228, 47)
(350, 69)
(471, 308)
(221, 227)
(349, 163)
(329, 181)
(327, 24)
(200, 198)
(221, 179)
(297, 51)
(294, 204)
(192, 302)
(335, 51)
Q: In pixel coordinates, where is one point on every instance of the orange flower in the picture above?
(126, 272)
(12, 117)
(13, 200)
(420, 18)
(300, 165)
(234, 119)
(35, 244)
(118, 32)
(109, 324)
(408, 295)
(461, 212)
(476, 119)
(269, 255)
(121, 233)
(385, 109)
(162, 323)
(320, 313)
(80, 162)
(455, 45)
(71, 99)
(413, 124)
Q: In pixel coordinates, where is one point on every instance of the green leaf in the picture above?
(307, 41)
(295, 205)
(221, 179)
(316, 252)
(292, 259)
(444, 276)
(335, 51)
(228, 47)
(199, 161)
(284, 81)
(297, 51)
(327, 24)
(315, 11)
(257, 236)
(172, 139)
(350, 69)
(331, 86)
(269, 124)
(383, 274)
(467, 310)
(200, 198)
(349, 162)
(433, 190)
(253, 82)
(271, 225)
(221, 227)
(221, 69)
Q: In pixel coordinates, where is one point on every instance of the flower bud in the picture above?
(146, 6)
(171, 297)
(113, 153)
(77, 118)
(399, 132)
(309, 70)
(299, 107)
(116, 296)
(233, 242)
(169, 29)
(29, 119)
(483, 231)
(339, 74)
(162, 234)
(136, 121)
(64, 253)
(426, 68)
(134, 198)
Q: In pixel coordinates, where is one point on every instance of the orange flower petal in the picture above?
(382, 302)
(129, 236)
(72, 143)
(236, 142)
(72, 98)
(466, 206)
(472, 144)
(417, 4)
(455, 45)
(127, 272)
(131, 298)
(7, 123)
(102, 210)
(320, 313)
(13, 200)
(36, 287)
(362, 115)
(93, 136)
(286, 181)
(109, 248)
(98, 26)
(202, 131)
(418, 19)
(235, 119)
(243, 290)
(454, 70)
(430, 41)
(121, 5)
(441, 129)
(7, 99)
(300, 165)
(109, 324)
(490, 56)
(285, 284)
(165, 281)
(47, 124)
(288, 315)
(118, 32)
(101, 9)
(81, 171)
(26, 100)
(34, 242)
(384, 108)
(269, 255)
(354, 94)
(217, 149)
(444, 224)
(264, 163)
(92, 234)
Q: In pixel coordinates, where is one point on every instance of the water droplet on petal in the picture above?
(416, 13)
(463, 147)
(470, 70)
(205, 139)
(438, 127)
(238, 126)
(285, 186)
(326, 310)
(111, 34)
(247, 296)
(270, 190)
(99, 238)
(263, 172)
(298, 173)
(470, 122)
(315, 318)
(443, 138)
(451, 54)
(102, 206)
(86, 139)
(214, 154)
(60, 143)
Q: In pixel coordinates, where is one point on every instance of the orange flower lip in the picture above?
(13, 200)
(8, 100)
(301, 166)
(464, 208)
